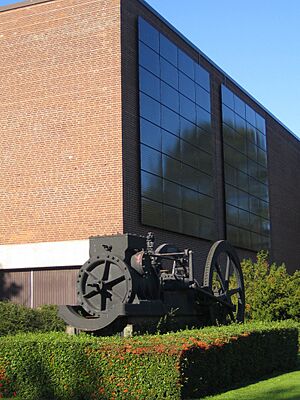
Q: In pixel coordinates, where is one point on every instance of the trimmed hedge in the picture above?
(16, 318)
(178, 365)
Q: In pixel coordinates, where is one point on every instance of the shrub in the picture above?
(271, 293)
(16, 318)
(173, 366)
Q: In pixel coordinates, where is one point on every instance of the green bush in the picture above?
(16, 318)
(271, 293)
(173, 366)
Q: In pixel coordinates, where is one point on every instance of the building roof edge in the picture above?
(21, 4)
(150, 8)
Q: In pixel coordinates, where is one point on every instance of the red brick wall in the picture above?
(60, 121)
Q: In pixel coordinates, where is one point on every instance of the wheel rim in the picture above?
(102, 283)
(223, 276)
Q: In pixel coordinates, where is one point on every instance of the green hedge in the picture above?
(173, 366)
(16, 318)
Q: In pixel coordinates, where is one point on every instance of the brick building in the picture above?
(112, 121)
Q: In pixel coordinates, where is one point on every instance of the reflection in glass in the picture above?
(186, 64)
(245, 172)
(168, 50)
(175, 138)
(149, 59)
(149, 35)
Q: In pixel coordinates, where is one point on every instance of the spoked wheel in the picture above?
(224, 278)
(102, 283)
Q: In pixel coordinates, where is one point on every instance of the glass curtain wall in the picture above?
(245, 169)
(175, 138)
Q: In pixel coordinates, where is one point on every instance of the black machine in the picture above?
(127, 281)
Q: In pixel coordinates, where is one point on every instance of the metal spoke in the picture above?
(227, 272)
(116, 294)
(231, 292)
(92, 293)
(116, 281)
(218, 269)
(106, 270)
(91, 274)
(103, 302)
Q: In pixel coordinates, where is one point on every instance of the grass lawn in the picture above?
(281, 387)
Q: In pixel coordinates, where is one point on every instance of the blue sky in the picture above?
(256, 42)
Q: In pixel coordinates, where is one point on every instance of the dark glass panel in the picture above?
(190, 201)
(240, 124)
(151, 160)
(172, 218)
(231, 175)
(255, 223)
(262, 175)
(187, 109)
(264, 209)
(242, 161)
(190, 177)
(261, 157)
(169, 73)
(228, 134)
(203, 98)
(188, 130)
(149, 59)
(231, 195)
(255, 187)
(251, 133)
(171, 169)
(260, 124)
(230, 156)
(233, 234)
(245, 238)
(228, 116)
(150, 134)
(190, 223)
(255, 241)
(265, 227)
(261, 140)
(149, 109)
(189, 154)
(227, 97)
(239, 107)
(185, 64)
(172, 194)
(148, 34)
(243, 200)
(205, 162)
(252, 151)
(204, 140)
(168, 50)
(169, 97)
(232, 215)
(152, 213)
(252, 169)
(254, 205)
(207, 228)
(242, 179)
(170, 120)
(151, 186)
(203, 119)
(250, 115)
(206, 205)
(187, 86)
(202, 77)
(205, 184)
(171, 145)
(244, 219)
(149, 84)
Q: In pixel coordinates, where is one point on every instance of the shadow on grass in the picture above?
(272, 393)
